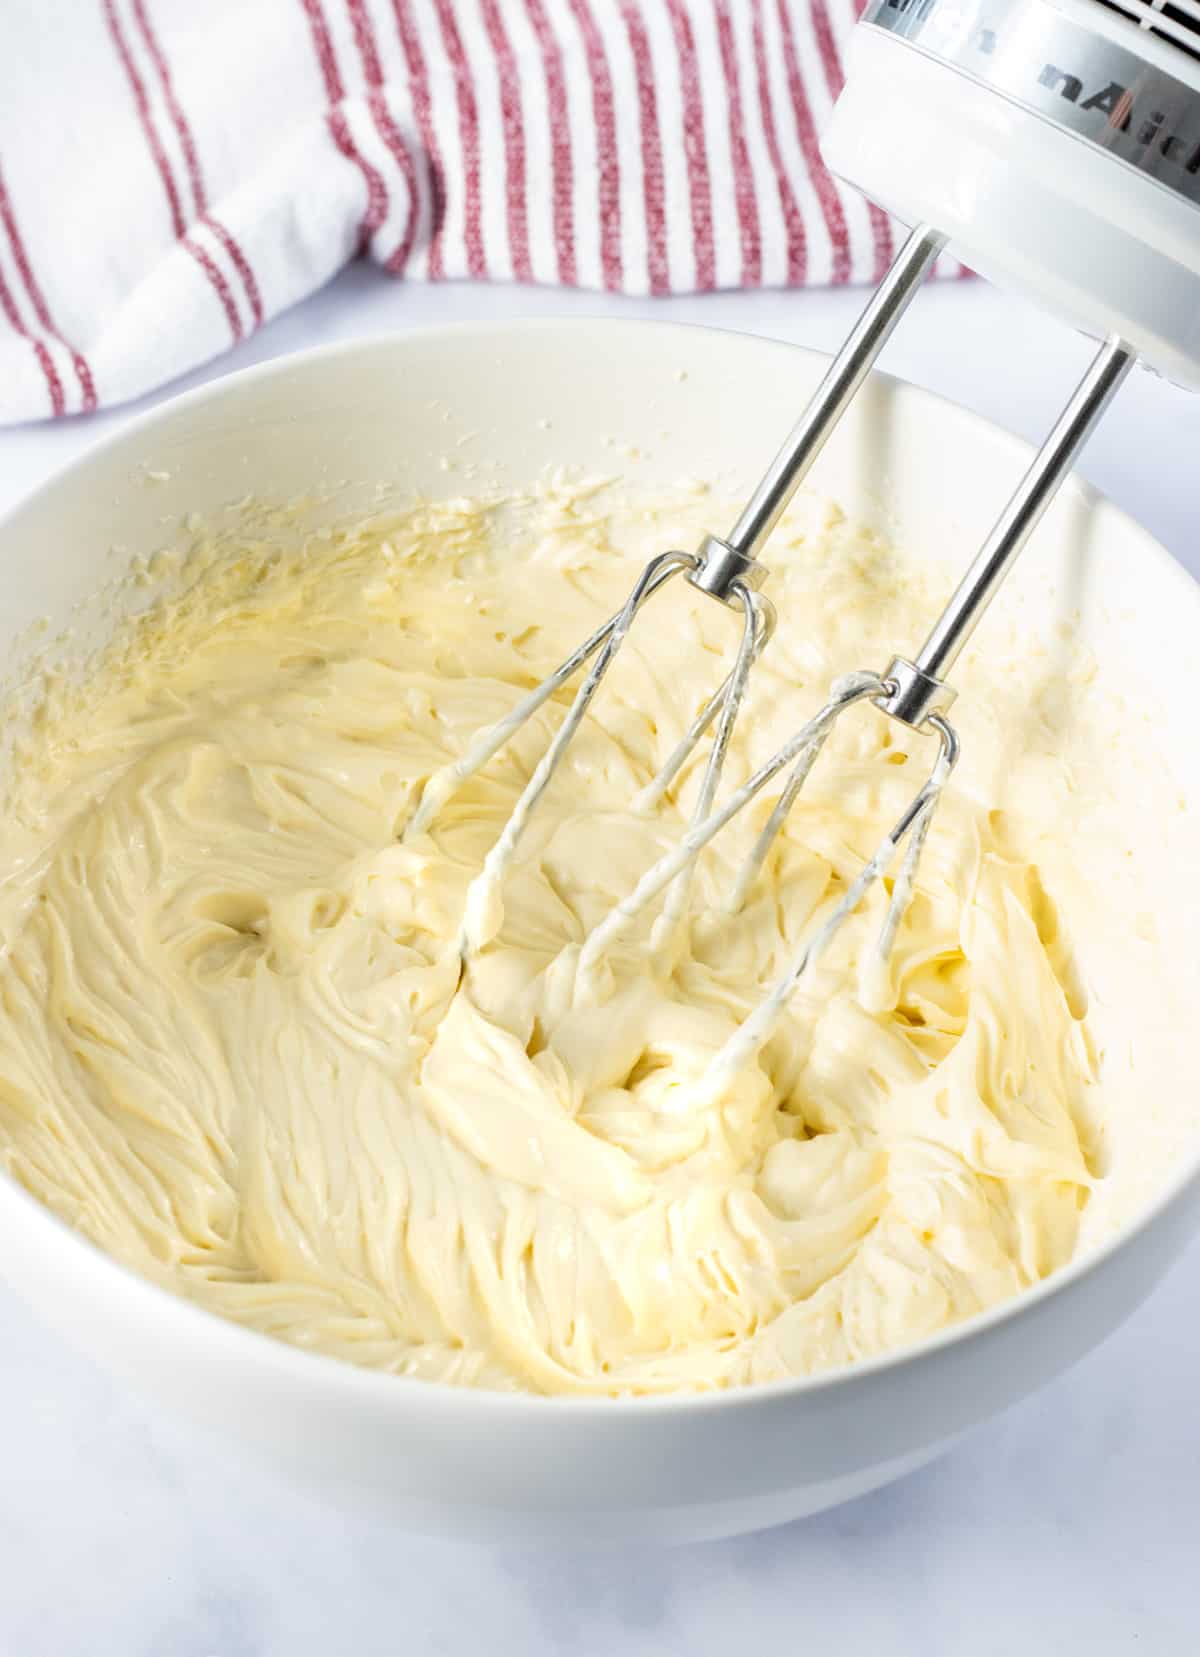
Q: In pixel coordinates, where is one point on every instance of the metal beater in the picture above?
(913, 691)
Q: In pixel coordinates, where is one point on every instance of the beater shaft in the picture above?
(735, 558)
(920, 682)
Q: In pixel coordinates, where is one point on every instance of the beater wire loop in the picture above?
(913, 825)
(444, 784)
(758, 623)
(482, 915)
(655, 790)
(853, 688)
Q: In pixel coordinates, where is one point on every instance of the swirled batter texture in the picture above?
(238, 1051)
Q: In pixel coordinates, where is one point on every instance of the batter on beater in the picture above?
(240, 1051)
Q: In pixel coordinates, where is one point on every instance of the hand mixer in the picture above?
(1056, 145)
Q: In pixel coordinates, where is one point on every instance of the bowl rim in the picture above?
(384, 1388)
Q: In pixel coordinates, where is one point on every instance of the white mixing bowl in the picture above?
(691, 402)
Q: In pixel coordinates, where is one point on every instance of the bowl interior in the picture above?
(484, 408)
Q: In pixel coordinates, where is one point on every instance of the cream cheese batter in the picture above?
(238, 1051)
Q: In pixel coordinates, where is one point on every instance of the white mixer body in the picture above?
(1055, 142)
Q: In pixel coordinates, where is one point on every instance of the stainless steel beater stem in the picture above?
(920, 688)
(722, 562)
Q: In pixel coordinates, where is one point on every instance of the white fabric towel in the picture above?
(172, 174)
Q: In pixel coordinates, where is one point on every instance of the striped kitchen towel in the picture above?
(172, 174)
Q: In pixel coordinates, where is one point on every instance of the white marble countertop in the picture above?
(1071, 1525)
